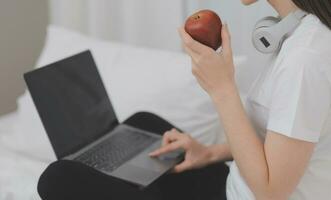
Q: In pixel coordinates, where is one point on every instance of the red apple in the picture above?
(205, 26)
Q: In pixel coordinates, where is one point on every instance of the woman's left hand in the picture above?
(214, 71)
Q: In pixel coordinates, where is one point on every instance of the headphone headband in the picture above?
(300, 14)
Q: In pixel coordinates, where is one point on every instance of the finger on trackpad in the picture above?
(172, 155)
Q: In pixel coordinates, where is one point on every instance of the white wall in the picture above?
(153, 22)
(149, 23)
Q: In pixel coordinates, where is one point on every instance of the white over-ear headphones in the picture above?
(270, 32)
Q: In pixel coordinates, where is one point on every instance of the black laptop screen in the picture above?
(72, 102)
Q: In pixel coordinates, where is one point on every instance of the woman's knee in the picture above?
(56, 180)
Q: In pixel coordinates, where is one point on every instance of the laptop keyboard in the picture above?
(116, 150)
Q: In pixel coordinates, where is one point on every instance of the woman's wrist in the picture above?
(226, 90)
(218, 152)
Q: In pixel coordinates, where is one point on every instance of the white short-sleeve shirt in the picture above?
(292, 97)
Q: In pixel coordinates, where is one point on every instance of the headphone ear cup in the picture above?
(264, 38)
(270, 32)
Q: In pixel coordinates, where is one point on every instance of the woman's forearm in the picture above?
(246, 148)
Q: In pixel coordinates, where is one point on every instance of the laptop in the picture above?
(81, 124)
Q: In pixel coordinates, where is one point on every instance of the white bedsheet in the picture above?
(19, 175)
(136, 79)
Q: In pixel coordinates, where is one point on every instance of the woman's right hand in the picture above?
(196, 154)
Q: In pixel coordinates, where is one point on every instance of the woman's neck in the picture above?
(283, 7)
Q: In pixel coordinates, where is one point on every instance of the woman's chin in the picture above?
(248, 2)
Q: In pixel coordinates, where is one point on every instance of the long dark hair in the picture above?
(320, 8)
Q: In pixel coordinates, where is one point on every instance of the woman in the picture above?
(281, 143)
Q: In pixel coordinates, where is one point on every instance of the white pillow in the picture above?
(136, 79)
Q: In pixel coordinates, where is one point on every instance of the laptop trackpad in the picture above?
(143, 169)
(136, 174)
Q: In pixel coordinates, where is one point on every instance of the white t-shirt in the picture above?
(292, 96)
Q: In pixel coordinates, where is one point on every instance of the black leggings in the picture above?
(66, 180)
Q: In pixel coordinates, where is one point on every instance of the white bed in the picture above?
(136, 79)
